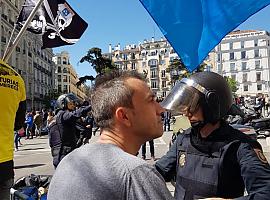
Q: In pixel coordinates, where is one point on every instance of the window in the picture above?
(153, 53)
(125, 67)
(65, 89)
(256, 43)
(232, 56)
(219, 57)
(233, 76)
(144, 64)
(133, 56)
(64, 61)
(153, 73)
(244, 77)
(219, 68)
(164, 94)
(59, 70)
(243, 54)
(242, 44)
(232, 66)
(245, 88)
(163, 73)
(257, 64)
(125, 56)
(256, 53)
(244, 65)
(154, 84)
(152, 62)
(59, 60)
(231, 45)
(163, 84)
(65, 70)
(258, 76)
(133, 66)
(65, 79)
(259, 86)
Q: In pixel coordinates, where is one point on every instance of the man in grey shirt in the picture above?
(125, 109)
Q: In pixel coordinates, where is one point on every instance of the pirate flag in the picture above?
(55, 20)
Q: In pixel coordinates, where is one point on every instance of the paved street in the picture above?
(34, 155)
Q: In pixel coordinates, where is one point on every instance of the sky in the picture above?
(125, 22)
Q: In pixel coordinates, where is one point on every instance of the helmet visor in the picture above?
(73, 99)
(182, 99)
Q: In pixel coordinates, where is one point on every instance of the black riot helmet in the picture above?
(208, 89)
(63, 100)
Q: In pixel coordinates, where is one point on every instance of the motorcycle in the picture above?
(249, 120)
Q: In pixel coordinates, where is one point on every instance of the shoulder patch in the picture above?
(261, 156)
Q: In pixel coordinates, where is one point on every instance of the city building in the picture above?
(34, 64)
(244, 57)
(66, 77)
(150, 58)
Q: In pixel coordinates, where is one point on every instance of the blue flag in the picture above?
(195, 27)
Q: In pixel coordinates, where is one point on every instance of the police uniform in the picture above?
(221, 165)
(13, 108)
(63, 137)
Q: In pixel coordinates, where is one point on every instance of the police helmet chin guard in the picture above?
(64, 99)
(207, 89)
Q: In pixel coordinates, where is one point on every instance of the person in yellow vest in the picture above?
(13, 108)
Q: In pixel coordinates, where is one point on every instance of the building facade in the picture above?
(244, 57)
(66, 77)
(150, 58)
(34, 65)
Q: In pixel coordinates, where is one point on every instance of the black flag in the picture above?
(55, 20)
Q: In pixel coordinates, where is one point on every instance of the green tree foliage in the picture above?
(178, 70)
(233, 84)
(99, 63)
(51, 95)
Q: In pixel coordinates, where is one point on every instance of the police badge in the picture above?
(182, 159)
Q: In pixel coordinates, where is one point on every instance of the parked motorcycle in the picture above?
(248, 118)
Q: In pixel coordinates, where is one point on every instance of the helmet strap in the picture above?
(197, 126)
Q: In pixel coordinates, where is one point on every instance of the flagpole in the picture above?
(23, 29)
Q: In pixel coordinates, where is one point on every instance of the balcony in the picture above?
(3, 39)
(18, 49)
(4, 16)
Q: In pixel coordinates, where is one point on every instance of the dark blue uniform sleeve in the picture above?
(74, 115)
(166, 165)
(255, 171)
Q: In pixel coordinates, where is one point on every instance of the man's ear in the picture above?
(122, 116)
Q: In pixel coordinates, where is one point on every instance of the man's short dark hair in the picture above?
(110, 92)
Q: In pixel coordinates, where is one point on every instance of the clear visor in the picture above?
(182, 99)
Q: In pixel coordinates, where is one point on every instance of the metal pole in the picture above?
(23, 29)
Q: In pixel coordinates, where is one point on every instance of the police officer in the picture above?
(62, 130)
(211, 159)
(13, 108)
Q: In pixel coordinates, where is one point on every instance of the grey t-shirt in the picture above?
(104, 171)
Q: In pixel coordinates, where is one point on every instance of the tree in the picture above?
(178, 70)
(52, 95)
(99, 63)
(233, 84)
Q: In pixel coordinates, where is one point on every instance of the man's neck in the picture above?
(208, 129)
(125, 141)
